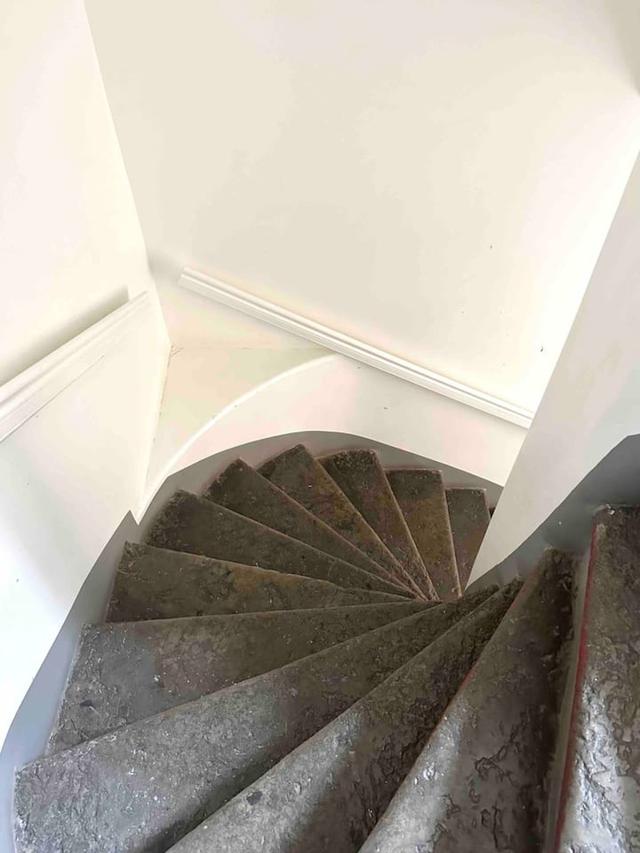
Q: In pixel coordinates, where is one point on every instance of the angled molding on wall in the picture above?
(296, 324)
(23, 396)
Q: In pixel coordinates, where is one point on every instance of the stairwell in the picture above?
(291, 662)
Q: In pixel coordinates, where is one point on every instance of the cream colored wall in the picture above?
(71, 248)
(593, 399)
(435, 179)
(233, 379)
(217, 358)
(336, 395)
(76, 421)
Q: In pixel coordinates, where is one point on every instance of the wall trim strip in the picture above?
(303, 327)
(28, 392)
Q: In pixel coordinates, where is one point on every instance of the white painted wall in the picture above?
(71, 248)
(71, 251)
(434, 178)
(337, 396)
(593, 399)
(217, 357)
(71, 473)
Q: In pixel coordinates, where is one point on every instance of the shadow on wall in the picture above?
(614, 481)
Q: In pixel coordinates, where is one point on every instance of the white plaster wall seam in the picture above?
(593, 399)
(333, 339)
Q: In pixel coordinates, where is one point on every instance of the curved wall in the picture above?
(335, 395)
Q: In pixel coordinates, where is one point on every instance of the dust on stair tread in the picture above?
(240, 488)
(302, 477)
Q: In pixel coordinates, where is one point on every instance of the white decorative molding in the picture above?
(296, 324)
(31, 390)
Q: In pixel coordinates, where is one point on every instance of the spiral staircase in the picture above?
(290, 663)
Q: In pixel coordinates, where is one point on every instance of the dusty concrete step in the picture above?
(492, 751)
(154, 583)
(469, 519)
(192, 524)
(327, 794)
(124, 672)
(600, 798)
(145, 785)
(420, 495)
(302, 477)
(243, 490)
(361, 477)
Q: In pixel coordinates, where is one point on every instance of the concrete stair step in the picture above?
(297, 473)
(247, 492)
(421, 497)
(600, 793)
(469, 519)
(359, 474)
(198, 526)
(327, 794)
(492, 751)
(145, 785)
(124, 672)
(155, 583)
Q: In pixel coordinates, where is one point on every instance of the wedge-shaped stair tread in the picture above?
(198, 526)
(304, 479)
(327, 794)
(420, 495)
(247, 492)
(124, 672)
(145, 785)
(361, 477)
(469, 519)
(600, 801)
(482, 780)
(154, 583)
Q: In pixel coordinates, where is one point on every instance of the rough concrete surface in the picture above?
(302, 477)
(124, 672)
(198, 526)
(361, 477)
(328, 793)
(247, 492)
(145, 785)
(482, 781)
(420, 495)
(155, 583)
(469, 519)
(600, 800)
